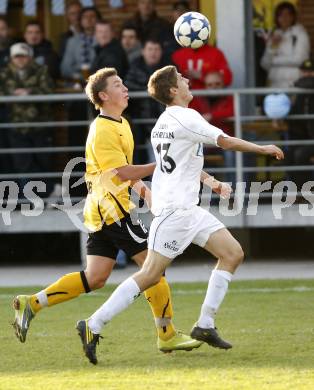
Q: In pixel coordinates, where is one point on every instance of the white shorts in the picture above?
(172, 232)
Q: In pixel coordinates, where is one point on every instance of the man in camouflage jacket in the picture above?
(22, 76)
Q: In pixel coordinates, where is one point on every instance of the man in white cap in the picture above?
(22, 76)
(21, 57)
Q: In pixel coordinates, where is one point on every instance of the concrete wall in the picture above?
(230, 22)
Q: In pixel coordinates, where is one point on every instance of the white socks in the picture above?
(119, 300)
(128, 291)
(216, 291)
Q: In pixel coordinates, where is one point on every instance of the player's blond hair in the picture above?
(96, 83)
(160, 83)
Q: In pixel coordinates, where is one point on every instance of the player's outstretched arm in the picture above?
(135, 172)
(239, 145)
(221, 188)
(143, 191)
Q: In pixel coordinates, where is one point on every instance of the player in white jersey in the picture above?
(177, 140)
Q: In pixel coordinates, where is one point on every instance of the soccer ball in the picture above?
(192, 29)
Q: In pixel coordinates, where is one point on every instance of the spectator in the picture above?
(150, 24)
(44, 53)
(261, 27)
(195, 64)
(79, 53)
(72, 14)
(141, 69)
(23, 76)
(75, 67)
(136, 80)
(302, 129)
(5, 42)
(215, 109)
(179, 8)
(130, 42)
(109, 52)
(287, 47)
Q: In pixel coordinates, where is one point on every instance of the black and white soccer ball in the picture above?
(192, 29)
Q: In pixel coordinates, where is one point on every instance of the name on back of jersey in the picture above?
(163, 134)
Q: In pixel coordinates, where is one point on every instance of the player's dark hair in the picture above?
(96, 83)
(160, 83)
(285, 6)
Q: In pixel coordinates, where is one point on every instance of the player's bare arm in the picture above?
(221, 188)
(135, 172)
(237, 144)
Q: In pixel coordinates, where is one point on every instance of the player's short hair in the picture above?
(96, 83)
(160, 83)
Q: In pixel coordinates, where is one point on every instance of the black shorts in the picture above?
(131, 238)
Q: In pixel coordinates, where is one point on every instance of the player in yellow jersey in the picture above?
(109, 174)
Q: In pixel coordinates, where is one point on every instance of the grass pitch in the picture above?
(271, 324)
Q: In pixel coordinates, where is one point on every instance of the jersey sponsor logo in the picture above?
(172, 245)
(136, 238)
(163, 134)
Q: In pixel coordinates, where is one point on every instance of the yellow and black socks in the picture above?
(159, 299)
(67, 287)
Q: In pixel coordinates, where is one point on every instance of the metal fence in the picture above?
(238, 120)
(58, 221)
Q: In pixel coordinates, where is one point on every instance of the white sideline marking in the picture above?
(266, 290)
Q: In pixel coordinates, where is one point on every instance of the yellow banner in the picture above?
(207, 8)
(263, 12)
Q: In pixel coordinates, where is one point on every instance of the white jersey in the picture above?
(177, 140)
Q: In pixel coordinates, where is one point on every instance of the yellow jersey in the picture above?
(109, 145)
